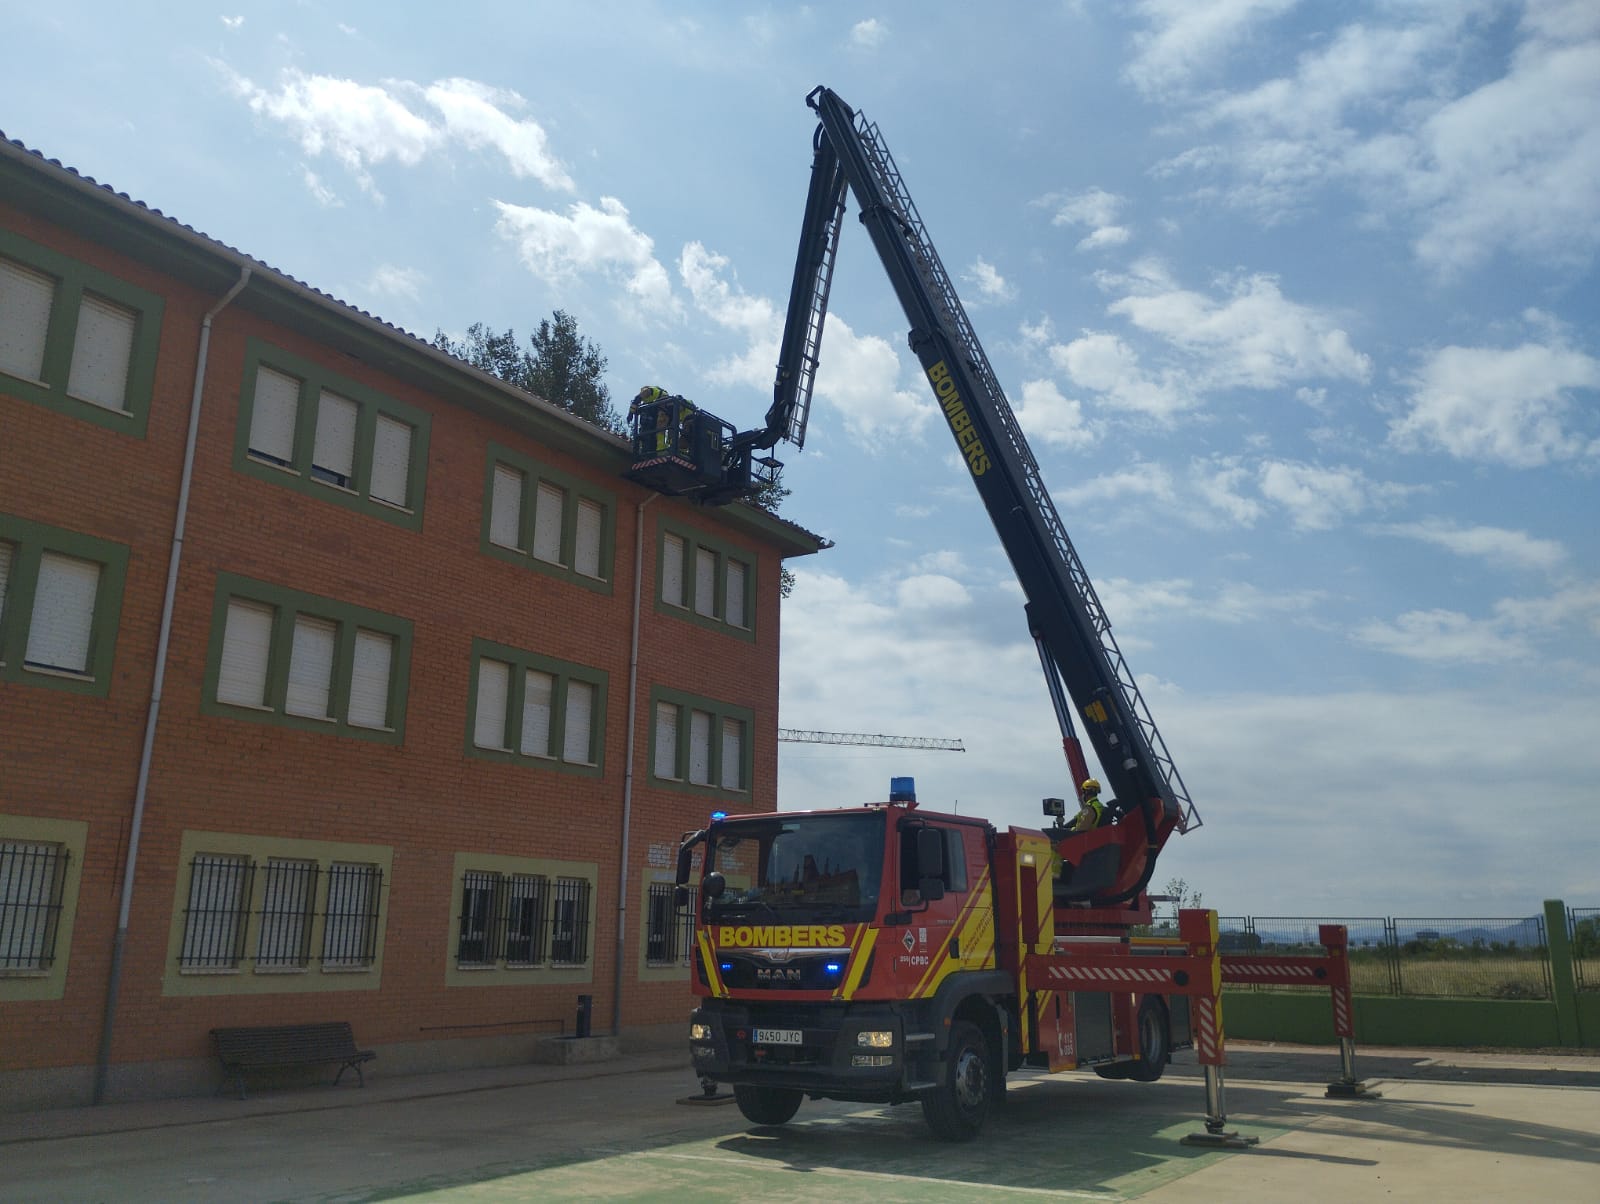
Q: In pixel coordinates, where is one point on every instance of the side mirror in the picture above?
(932, 889)
(680, 897)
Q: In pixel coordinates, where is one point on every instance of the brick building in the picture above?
(331, 639)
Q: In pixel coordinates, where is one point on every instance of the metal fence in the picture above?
(1495, 958)
(1583, 931)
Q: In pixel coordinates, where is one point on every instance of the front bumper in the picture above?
(829, 1060)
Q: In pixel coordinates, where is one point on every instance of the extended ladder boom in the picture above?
(1064, 613)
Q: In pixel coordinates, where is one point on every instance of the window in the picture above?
(303, 426)
(518, 919)
(75, 338)
(547, 520)
(307, 661)
(350, 923)
(32, 874)
(214, 923)
(704, 581)
(698, 743)
(669, 929)
(535, 710)
(60, 601)
(275, 914)
(285, 928)
(955, 860)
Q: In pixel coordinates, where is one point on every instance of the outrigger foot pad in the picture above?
(1228, 1140)
(1357, 1090)
(708, 1094)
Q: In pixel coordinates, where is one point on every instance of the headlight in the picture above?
(699, 1032)
(876, 1039)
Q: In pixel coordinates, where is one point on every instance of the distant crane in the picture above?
(931, 743)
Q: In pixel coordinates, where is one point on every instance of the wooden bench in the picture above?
(242, 1049)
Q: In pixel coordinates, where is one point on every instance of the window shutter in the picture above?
(246, 647)
(219, 885)
(505, 508)
(489, 725)
(666, 740)
(733, 607)
(391, 462)
(310, 667)
(334, 452)
(576, 744)
(700, 748)
(285, 913)
(586, 555)
(5, 575)
(25, 300)
(370, 679)
(672, 570)
(705, 582)
(537, 691)
(272, 417)
(547, 523)
(63, 613)
(732, 754)
(101, 352)
(347, 924)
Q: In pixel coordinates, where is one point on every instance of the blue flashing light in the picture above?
(833, 967)
(902, 790)
(726, 967)
(716, 815)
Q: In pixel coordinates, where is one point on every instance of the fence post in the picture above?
(1391, 941)
(1563, 987)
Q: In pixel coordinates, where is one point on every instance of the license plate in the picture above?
(777, 1036)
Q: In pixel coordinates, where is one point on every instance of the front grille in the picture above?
(752, 972)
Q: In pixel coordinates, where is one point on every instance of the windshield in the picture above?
(800, 868)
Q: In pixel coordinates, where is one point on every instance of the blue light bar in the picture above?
(716, 815)
(902, 790)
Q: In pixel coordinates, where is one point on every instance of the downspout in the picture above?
(627, 773)
(114, 980)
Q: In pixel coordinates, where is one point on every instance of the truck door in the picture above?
(944, 934)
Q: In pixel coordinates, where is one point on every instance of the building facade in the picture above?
(338, 680)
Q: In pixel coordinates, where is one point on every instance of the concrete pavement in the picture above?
(1462, 1126)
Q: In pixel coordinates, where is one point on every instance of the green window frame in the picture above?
(720, 597)
(72, 281)
(349, 636)
(376, 417)
(721, 758)
(581, 538)
(23, 548)
(564, 678)
(515, 921)
(256, 915)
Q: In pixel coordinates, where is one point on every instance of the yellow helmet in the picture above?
(1089, 787)
(650, 393)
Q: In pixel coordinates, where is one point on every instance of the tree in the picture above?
(559, 365)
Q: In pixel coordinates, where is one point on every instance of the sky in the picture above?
(1296, 305)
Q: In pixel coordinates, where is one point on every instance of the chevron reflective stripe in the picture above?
(1207, 1032)
(1149, 975)
(1343, 1020)
(1244, 971)
(708, 958)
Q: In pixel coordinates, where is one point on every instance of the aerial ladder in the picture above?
(1093, 886)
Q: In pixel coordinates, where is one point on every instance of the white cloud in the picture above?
(362, 125)
(322, 194)
(1103, 363)
(1217, 485)
(232, 22)
(1497, 545)
(1183, 39)
(476, 115)
(868, 34)
(932, 591)
(991, 285)
(1255, 338)
(1095, 209)
(1046, 414)
(1317, 498)
(558, 247)
(1444, 636)
(1505, 407)
(1148, 481)
(391, 281)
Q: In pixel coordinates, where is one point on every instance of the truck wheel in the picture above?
(956, 1109)
(767, 1105)
(1155, 1046)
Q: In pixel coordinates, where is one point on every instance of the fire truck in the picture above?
(884, 953)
